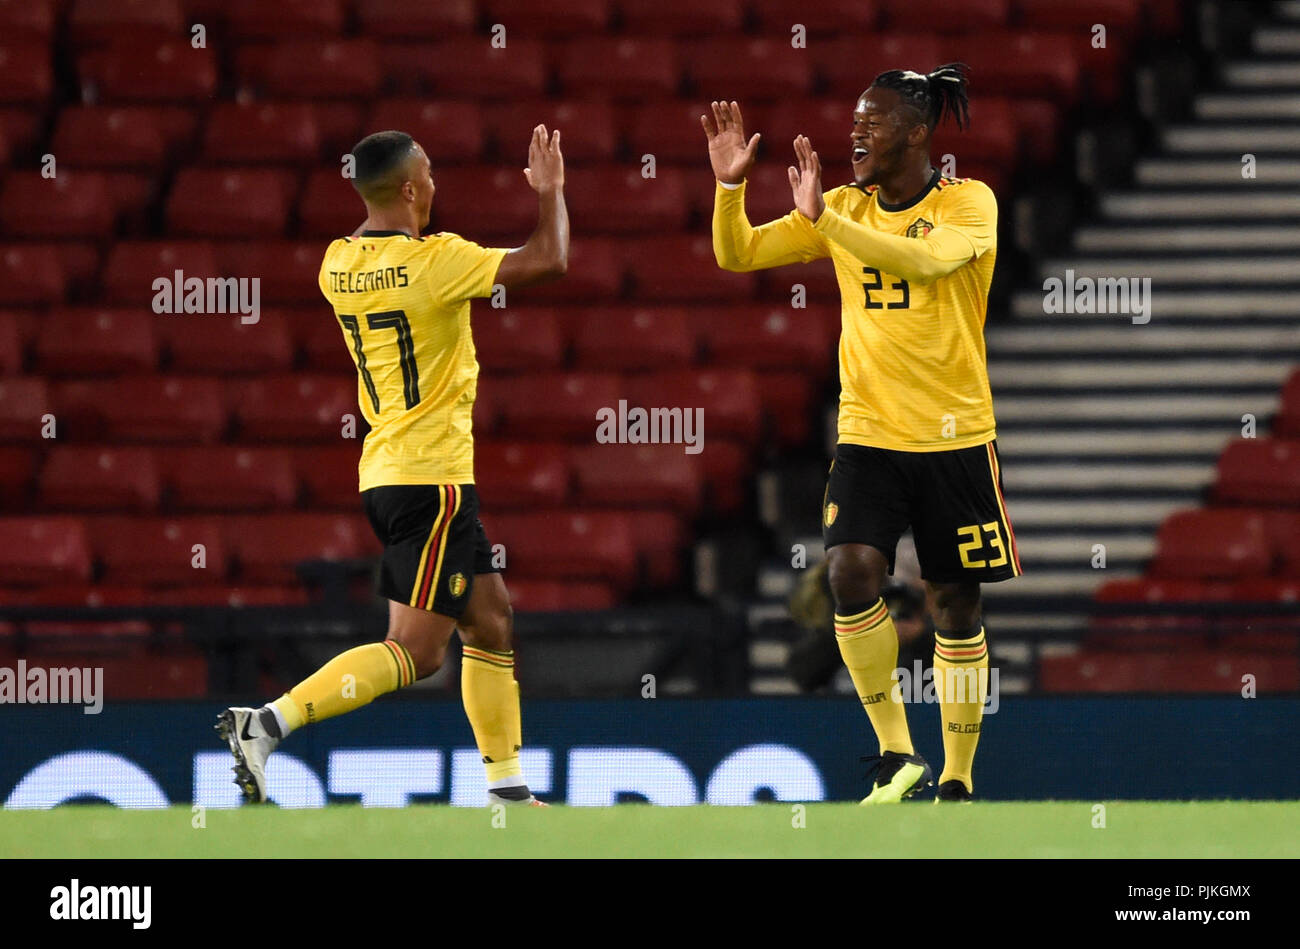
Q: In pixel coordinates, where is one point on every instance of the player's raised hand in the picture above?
(806, 180)
(731, 155)
(545, 171)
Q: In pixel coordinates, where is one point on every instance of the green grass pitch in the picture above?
(913, 829)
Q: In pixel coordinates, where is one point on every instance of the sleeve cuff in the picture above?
(730, 187)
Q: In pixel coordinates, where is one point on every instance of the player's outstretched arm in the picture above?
(736, 244)
(545, 255)
(921, 261)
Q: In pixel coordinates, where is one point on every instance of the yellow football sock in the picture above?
(869, 644)
(961, 681)
(491, 696)
(348, 681)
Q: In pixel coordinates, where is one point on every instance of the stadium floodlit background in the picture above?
(179, 490)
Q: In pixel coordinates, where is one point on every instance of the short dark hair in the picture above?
(376, 159)
(936, 95)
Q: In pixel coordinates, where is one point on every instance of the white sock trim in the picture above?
(510, 781)
(279, 719)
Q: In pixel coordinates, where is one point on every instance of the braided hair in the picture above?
(935, 96)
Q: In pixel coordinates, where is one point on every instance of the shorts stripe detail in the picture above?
(851, 625)
(1002, 507)
(436, 547)
(489, 657)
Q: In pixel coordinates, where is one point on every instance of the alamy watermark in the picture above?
(214, 295)
(56, 686)
(1130, 295)
(656, 426)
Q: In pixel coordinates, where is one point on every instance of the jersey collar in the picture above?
(911, 202)
(384, 234)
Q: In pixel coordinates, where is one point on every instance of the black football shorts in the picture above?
(952, 500)
(434, 544)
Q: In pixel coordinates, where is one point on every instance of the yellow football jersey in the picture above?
(913, 373)
(403, 308)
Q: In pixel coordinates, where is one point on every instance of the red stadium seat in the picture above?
(636, 475)
(401, 19)
(827, 16)
(43, 550)
(643, 338)
(774, 337)
(24, 403)
(727, 475)
(942, 17)
(28, 22)
(1011, 62)
(567, 545)
(93, 22)
(288, 271)
(292, 19)
(310, 69)
(644, 205)
(596, 271)
(327, 349)
(671, 131)
(339, 123)
(330, 207)
(25, 74)
(848, 64)
(133, 266)
(144, 675)
(1283, 527)
(33, 274)
(73, 204)
(728, 397)
(618, 67)
(518, 338)
(224, 344)
(17, 475)
(100, 479)
(261, 132)
(820, 286)
(302, 407)
(683, 17)
(749, 68)
(270, 547)
(229, 478)
(1038, 125)
(148, 71)
(447, 131)
(1259, 471)
(1255, 630)
(159, 551)
(207, 202)
(11, 345)
(1212, 544)
(1121, 16)
(559, 404)
(993, 136)
(329, 475)
(662, 545)
(479, 201)
(21, 128)
(1120, 630)
(476, 70)
(1287, 422)
(587, 129)
(234, 596)
(787, 399)
(1188, 670)
(526, 475)
(683, 268)
(558, 17)
(148, 408)
(120, 136)
(550, 596)
(86, 341)
(827, 122)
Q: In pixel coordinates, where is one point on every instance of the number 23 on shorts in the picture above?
(975, 541)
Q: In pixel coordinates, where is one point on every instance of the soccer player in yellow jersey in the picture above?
(913, 254)
(402, 302)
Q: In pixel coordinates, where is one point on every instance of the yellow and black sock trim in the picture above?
(402, 659)
(491, 657)
(950, 649)
(863, 621)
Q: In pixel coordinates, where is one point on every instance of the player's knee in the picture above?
(855, 578)
(957, 606)
(427, 654)
(493, 628)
